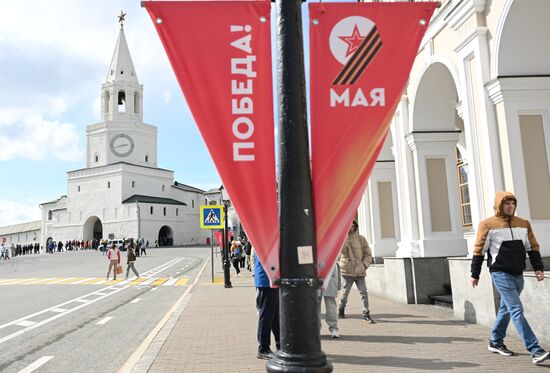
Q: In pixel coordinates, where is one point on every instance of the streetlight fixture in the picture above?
(225, 251)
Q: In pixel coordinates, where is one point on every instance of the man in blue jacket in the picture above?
(267, 301)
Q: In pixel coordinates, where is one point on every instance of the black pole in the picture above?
(299, 314)
(225, 251)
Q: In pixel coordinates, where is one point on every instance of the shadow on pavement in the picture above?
(400, 362)
(405, 340)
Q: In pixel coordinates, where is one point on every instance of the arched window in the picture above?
(463, 189)
(151, 210)
(78, 188)
(96, 158)
(121, 101)
(108, 184)
(50, 215)
(177, 212)
(133, 184)
(164, 211)
(146, 158)
(163, 188)
(193, 203)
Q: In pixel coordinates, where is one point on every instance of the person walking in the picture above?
(113, 255)
(236, 254)
(143, 248)
(354, 260)
(267, 303)
(506, 239)
(130, 261)
(329, 292)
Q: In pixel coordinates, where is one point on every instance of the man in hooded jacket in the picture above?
(354, 260)
(506, 239)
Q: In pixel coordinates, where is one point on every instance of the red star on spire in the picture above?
(353, 41)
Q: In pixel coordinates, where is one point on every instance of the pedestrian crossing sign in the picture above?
(211, 217)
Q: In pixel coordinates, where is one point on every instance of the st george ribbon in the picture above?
(361, 56)
(220, 52)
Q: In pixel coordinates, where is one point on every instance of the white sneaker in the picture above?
(334, 334)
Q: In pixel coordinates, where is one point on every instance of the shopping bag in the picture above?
(118, 269)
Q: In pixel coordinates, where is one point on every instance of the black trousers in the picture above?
(267, 300)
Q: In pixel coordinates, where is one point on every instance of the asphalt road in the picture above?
(57, 313)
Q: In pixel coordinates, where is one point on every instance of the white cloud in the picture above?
(167, 96)
(33, 137)
(12, 212)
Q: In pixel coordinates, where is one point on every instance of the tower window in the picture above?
(151, 210)
(133, 184)
(193, 203)
(50, 215)
(146, 158)
(108, 184)
(78, 188)
(96, 159)
(163, 188)
(121, 102)
(164, 211)
(177, 211)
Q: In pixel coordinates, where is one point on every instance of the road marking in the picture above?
(94, 281)
(44, 280)
(149, 281)
(160, 281)
(104, 321)
(83, 300)
(37, 364)
(58, 281)
(170, 282)
(43, 322)
(136, 300)
(70, 280)
(59, 310)
(20, 281)
(7, 280)
(182, 282)
(112, 282)
(153, 289)
(82, 281)
(25, 323)
(137, 281)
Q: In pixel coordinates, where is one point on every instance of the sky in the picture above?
(54, 56)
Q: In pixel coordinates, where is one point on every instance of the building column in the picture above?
(407, 246)
(522, 106)
(438, 208)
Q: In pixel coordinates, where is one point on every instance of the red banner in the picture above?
(221, 54)
(361, 56)
(219, 238)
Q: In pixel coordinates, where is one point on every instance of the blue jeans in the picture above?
(510, 288)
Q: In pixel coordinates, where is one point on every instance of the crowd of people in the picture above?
(505, 238)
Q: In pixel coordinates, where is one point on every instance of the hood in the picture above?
(500, 198)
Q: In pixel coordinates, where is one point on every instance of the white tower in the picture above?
(122, 136)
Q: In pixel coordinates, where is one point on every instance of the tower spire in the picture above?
(122, 67)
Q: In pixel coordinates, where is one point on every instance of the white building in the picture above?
(122, 192)
(474, 119)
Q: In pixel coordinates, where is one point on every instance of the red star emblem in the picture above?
(353, 41)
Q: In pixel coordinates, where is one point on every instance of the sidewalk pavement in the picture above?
(214, 330)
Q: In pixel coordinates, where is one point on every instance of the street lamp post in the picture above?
(300, 340)
(225, 251)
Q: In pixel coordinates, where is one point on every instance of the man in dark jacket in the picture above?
(506, 238)
(267, 301)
